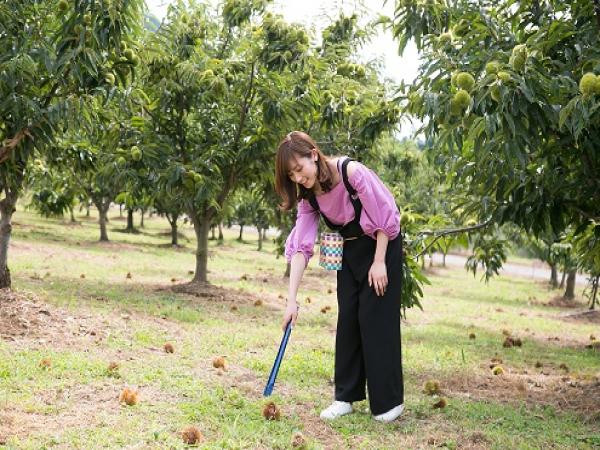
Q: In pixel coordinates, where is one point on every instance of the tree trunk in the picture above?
(201, 227)
(444, 259)
(241, 231)
(129, 228)
(260, 239)
(220, 231)
(594, 291)
(87, 210)
(173, 222)
(570, 291)
(212, 233)
(120, 210)
(553, 276)
(562, 281)
(142, 219)
(7, 209)
(71, 212)
(288, 269)
(103, 212)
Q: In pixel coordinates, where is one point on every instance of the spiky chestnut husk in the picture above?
(462, 98)
(465, 80)
(504, 76)
(589, 84)
(128, 397)
(518, 57)
(460, 102)
(219, 362)
(431, 387)
(169, 348)
(440, 404)
(271, 411)
(136, 153)
(46, 363)
(453, 78)
(191, 435)
(298, 440)
(492, 67)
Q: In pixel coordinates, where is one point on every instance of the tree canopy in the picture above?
(509, 94)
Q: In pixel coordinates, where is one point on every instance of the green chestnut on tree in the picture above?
(465, 81)
(136, 153)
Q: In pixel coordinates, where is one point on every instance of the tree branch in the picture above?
(440, 234)
(9, 144)
(243, 113)
(248, 99)
(225, 43)
(597, 10)
(51, 94)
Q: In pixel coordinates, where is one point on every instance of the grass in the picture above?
(95, 315)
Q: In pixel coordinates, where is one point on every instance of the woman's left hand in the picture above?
(378, 277)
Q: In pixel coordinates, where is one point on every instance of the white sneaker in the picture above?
(336, 409)
(391, 415)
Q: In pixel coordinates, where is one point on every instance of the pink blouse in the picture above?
(379, 212)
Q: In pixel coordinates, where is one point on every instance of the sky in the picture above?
(317, 13)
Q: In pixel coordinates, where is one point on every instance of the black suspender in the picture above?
(312, 199)
(353, 194)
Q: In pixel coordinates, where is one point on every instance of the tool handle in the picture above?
(284, 340)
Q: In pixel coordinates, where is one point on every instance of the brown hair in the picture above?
(298, 144)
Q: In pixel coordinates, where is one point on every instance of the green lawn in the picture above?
(92, 314)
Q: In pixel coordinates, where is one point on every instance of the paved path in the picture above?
(537, 269)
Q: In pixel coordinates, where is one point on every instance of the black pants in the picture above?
(367, 347)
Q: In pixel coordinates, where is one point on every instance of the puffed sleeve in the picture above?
(379, 207)
(303, 235)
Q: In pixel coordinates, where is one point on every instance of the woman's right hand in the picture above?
(291, 313)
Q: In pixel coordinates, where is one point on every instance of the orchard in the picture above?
(143, 274)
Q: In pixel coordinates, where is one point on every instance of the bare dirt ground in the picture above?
(26, 322)
(549, 385)
(585, 316)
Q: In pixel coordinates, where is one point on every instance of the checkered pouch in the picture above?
(330, 251)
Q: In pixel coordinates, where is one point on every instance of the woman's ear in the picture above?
(315, 155)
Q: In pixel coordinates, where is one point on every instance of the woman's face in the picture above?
(303, 170)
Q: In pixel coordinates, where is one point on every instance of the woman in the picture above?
(353, 200)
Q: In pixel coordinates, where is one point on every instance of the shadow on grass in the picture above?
(179, 301)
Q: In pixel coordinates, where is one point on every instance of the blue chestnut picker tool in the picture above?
(284, 340)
